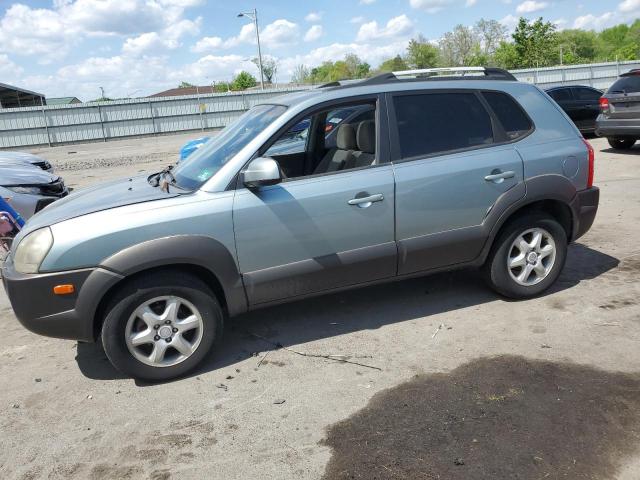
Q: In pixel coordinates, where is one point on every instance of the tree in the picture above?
(489, 33)
(356, 68)
(421, 54)
(242, 81)
(506, 56)
(269, 67)
(394, 64)
(349, 68)
(186, 85)
(535, 43)
(223, 87)
(457, 46)
(301, 74)
(577, 46)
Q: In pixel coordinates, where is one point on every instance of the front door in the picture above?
(331, 225)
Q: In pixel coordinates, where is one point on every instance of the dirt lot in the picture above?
(453, 382)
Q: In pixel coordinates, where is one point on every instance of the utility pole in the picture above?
(253, 15)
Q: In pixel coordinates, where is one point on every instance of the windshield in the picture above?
(205, 162)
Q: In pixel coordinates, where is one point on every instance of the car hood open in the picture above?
(12, 174)
(104, 196)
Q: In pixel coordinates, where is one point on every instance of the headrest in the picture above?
(366, 136)
(346, 139)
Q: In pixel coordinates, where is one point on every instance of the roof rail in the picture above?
(447, 73)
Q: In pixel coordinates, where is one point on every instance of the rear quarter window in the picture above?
(432, 123)
(514, 121)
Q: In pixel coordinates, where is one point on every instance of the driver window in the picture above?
(328, 141)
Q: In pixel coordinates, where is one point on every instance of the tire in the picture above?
(194, 328)
(621, 143)
(507, 281)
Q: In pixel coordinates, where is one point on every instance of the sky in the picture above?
(139, 47)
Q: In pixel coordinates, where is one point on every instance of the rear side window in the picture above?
(513, 119)
(439, 122)
(561, 94)
(630, 84)
(587, 94)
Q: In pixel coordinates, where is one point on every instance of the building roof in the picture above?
(11, 97)
(62, 100)
(180, 92)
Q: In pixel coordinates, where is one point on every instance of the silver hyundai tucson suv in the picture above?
(454, 168)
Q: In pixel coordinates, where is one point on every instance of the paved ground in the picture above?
(469, 385)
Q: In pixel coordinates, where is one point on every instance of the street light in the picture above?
(253, 15)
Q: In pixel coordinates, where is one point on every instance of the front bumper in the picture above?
(617, 127)
(585, 207)
(61, 316)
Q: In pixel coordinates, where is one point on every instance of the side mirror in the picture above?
(261, 172)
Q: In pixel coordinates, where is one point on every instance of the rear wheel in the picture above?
(621, 143)
(161, 325)
(527, 257)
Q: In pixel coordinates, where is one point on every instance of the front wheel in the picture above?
(527, 257)
(621, 143)
(161, 325)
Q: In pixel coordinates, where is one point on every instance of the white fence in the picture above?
(102, 121)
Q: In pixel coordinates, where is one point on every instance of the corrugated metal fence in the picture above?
(56, 124)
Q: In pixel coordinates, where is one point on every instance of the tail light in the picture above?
(604, 105)
(592, 158)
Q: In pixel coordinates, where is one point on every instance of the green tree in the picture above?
(577, 46)
(421, 54)
(536, 43)
(457, 46)
(223, 87)
(506, 56)
(394, 64)
(489, 33)
(301, 74)
(242, 81)
(186, 85)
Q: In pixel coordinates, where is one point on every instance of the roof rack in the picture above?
(448, 73)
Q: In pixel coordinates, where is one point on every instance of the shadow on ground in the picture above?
(493, 418)
(354, 310)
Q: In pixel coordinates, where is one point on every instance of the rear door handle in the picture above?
(364, 202)
(498, 177)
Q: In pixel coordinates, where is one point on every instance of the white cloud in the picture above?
(207, 43)
(597, 22)
(356, 20)
(430, 6)
(509, 21)
(560, 23)
(470, 3)
(280, 33)
(9, 71)
(313, 17)
(367, 2)
(530, 6)
(314, 33)
(168, 39)
(396, 27)
(629, 6)
(52, 32)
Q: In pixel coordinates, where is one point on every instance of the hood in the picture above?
(20, 157)
(104, 196)
(16, 174)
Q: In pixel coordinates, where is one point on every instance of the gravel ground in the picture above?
(466, 385)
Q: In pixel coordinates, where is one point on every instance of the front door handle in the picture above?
(498, 176)
(364, 202)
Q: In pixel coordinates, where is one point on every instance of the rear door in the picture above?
(564, 97)
(452, 162)
(588, 107)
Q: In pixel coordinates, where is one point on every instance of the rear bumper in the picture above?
(39, 310)
(585, 207)
(625, 127)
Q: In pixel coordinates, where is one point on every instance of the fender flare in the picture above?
(197, 250)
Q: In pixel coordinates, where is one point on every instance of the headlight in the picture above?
(25, 189)
(32, 250)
